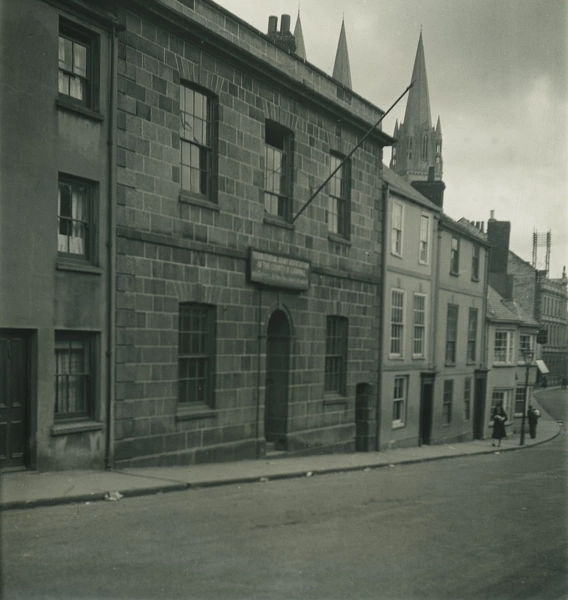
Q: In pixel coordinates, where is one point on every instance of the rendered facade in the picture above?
(56, 192)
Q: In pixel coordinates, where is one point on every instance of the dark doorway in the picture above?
(277, 375)
(479, 407)
(426, 409)
(14, 410)
(365, 425)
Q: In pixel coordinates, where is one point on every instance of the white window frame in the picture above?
(417, 325)
(509, 347)
(424, 239)
(399, 401)
(521, 388)
(398, 323)
(503, 396)
(397, 228)
(532, 345)
(448, 406)
(467, 394)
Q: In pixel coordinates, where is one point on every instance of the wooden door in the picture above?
(13, 400)
(277, 375)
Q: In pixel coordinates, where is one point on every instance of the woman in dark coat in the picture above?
(499, 420)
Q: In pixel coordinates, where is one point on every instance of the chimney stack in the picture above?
(432, 189)
(272, 25)
(284, 38)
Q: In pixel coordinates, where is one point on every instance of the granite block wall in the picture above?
(173, 248)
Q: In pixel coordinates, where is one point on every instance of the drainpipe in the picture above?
(382, 312)
(435, 293)
(257, 425)
(111, 248)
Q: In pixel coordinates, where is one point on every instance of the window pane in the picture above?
(79, 60)
(65, 54)
(77, 88)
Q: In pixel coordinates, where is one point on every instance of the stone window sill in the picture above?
(335, 400)
(198, 200)
(398, 425)
(62, 428)
(64, 103)
(334, 237)
(79, 267)
(192, 413)
(278, 222)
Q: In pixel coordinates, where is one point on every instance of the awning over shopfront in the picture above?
(542, 367)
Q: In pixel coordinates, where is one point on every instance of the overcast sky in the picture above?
(497, 75)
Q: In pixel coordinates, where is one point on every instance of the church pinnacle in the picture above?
(299, 36)
(341, 68)
(419, 145)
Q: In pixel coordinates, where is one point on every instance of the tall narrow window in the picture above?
(397, 323)
(399, 401)
(475, 263)
(74, 218)
(467, 399)
(455, 256)
(503, 349)
(419, 346)
(196, 135)
(472, 336)
(396, 228)
(77, 49)
(424, 248)
(277, 171)
(520, 401)
(339, 192)
(74, 379)
(336, 355)
(447, 401)
(451, 334)
(196, 351)
(409, 148)
(425, 149)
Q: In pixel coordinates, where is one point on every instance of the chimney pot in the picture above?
(492, 217)
(285, 24)
(272, 24)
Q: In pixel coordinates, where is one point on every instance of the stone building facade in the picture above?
(243, 327)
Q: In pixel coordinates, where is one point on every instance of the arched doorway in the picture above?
(277, 374)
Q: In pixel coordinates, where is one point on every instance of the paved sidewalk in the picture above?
(26, 489)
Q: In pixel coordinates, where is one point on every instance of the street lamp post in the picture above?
(528, 356)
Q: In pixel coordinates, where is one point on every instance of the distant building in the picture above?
(512, 347)
(417, 152)
(542, 298)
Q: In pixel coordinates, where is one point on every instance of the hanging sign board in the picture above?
(276, 270)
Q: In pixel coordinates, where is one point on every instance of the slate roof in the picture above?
(499, 309)
(404, 189)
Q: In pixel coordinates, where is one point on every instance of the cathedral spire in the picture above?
(300, 46)
(341, 68)
(418, 104)
(417, 153)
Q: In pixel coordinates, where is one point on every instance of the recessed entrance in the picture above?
(14, 410)
(426, 409)
(277, 374)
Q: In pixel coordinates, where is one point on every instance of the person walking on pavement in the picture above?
(533, 415)
(499, 419)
